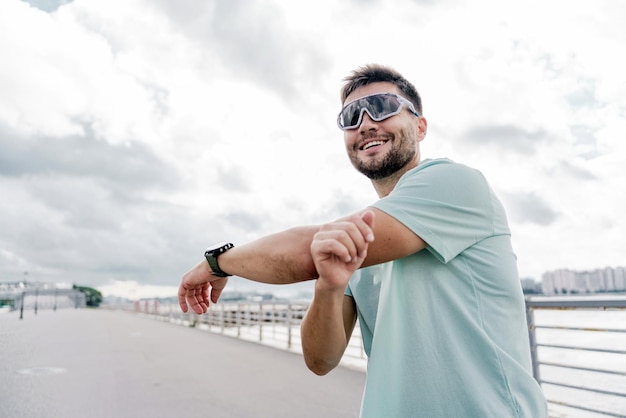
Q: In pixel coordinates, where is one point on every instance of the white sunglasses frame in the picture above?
(401, 99)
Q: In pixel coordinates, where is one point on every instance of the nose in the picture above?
(367, 123)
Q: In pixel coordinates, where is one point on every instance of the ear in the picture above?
(422, 127)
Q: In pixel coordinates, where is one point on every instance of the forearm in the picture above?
(280, 258)
(326, 330)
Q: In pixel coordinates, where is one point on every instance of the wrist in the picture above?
(212, 253)
(328, 287)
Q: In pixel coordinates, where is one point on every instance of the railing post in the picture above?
(238, 316)
(530, 320)
(260, 319)
(273, 320)
(222, 318)
(22, 305)
(289, 326)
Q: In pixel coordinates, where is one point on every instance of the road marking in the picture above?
(42, 370)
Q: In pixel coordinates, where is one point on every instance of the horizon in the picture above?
(133, 291)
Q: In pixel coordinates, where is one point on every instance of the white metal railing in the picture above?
(37, 298)
(278, 325)
(586, 357)
(270, 323)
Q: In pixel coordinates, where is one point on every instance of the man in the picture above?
(428, 270)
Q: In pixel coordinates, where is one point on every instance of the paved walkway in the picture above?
(98, 363)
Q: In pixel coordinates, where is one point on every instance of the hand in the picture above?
(339, 248)
(196, 286)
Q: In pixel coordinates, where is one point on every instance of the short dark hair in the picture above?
(376, 73)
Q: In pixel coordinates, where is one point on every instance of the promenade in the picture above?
(99, 363)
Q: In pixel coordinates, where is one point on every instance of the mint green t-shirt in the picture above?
(445, 328)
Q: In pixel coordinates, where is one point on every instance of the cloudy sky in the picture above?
(134, 133)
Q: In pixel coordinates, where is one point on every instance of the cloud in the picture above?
(583, 94)
(126, 166)
(75, 229)
(572, 171)
(233, 178)
(530, 207)
(47, 5)
(253, 40)
(505, 137)
(79, 208)
(245, 220)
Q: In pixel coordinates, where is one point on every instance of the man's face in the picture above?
(381, 149)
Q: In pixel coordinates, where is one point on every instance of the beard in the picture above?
(403, 151)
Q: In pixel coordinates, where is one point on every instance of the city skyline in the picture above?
(556, 282)
(601, 280)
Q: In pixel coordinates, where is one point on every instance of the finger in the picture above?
(365, 223)
(182, 299)
(216, 288)
(360, 234)
(336, 244)
(193, 303)
(203, 297)
(348, 232)
(368, 218)
(196, 299)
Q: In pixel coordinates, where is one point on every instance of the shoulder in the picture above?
(441, 168)
(443, 179)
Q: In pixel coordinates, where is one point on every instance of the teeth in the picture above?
(373, 144)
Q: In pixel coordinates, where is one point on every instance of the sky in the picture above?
(135, 133)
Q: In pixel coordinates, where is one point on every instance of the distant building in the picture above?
(568, 282)
(530, 286)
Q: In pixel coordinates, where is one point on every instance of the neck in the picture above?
(384, 186)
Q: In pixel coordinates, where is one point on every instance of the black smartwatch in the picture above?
(211, 255)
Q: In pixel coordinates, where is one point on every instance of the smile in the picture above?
(371, 144)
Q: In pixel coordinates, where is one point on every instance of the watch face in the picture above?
(217, 246)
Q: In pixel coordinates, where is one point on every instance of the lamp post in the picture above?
(23, 295)
(22, 305)
(36, 298)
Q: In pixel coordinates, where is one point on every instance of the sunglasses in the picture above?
(378, 106)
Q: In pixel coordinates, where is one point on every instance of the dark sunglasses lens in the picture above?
(350, 115)
(384, 105)
(376, 105)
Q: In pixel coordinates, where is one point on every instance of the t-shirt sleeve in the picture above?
(446, 204)
(348, 291)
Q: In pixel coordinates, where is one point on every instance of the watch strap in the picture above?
(211, 255)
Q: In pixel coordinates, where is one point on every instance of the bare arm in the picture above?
(338, 249)
(279, 258)
(394, 240)
(285, 257)
(326, 330)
